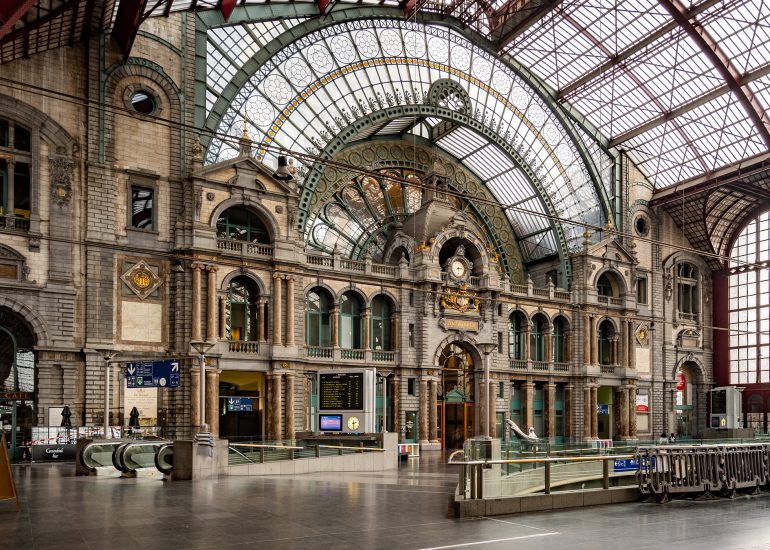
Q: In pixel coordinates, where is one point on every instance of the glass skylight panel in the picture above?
(742, 29)
(219, 69)
(462, 142)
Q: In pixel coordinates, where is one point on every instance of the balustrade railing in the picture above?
(607, 369)
(382, 269)
(357, 354)
(540, 365)
(325, 353)
(242, 346)
(14, 223)
(383, 356)
(353, 265)
(561, 367)
(318, 260)
(243, 247)
(519, 364)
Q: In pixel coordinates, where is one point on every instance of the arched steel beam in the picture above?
(723, 65)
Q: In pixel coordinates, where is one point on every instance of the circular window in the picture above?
(143, 102)
(642, 226)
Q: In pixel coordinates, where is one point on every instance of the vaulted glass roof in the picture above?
(684, 89)
(351, 72)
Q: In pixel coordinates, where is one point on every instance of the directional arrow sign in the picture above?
(153, 374)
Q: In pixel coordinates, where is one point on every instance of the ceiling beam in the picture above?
(39, 22)
(748, 189)
(515, 17)
(127, 22)
(621, 57)
(10, 14)
(723, 65)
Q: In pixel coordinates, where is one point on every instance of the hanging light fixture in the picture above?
(284, 172)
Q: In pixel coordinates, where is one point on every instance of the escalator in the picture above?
(127, 456)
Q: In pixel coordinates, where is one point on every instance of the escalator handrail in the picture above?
(122, 457)
(99, 442)
(165, 471)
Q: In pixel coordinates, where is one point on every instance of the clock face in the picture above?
(458, 268)
(353, 423)
(142, 279)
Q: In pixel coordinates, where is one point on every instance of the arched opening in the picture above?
(559, 340)
(686, 401)
(397, 254)
(17, 380)
(380, 338)
(456, 406)
(15, 174)
(537, 338)
(318, 325)
(604, 286)
(241, 224)
(516, 332)
(687, 301)
(351, 327)
(607, 340)
(242, 310)
(469, 251)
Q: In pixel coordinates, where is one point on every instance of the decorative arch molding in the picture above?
(235, 202)
(682, 256)
(246, 273)
(567, 321)
(612, 322)
(35, 321)
(360, 294)
(325, 287)
(695, 364)
(517, 309)
(400, 240)
(472, 235)
(38, 122)
(468, 343)
(144, 68)
(389, 296)
(615, 275)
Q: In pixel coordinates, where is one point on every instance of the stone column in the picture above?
(550, 409)
(624, 342)
(395, 335)
(592, 336)
(527, 350)
(195, 332)
(290, 313)
(586, 339)
(335, 313)
(365, 344)
(263, 320)
(568, 416)
(211, 304)
(624, 412)
(10, 186)
(433, 413)
(491, 388)
(631, 346)
(529, 393)
(277, 332)
(222, 318)
(424, 436)
(305, 406)
(548, 343)
(615, 358)
(632, 412)
(594, 412)
(212, 400)
(276, 404)
(568, 346)
(289, 432)
(395, 405)
(195, 396)
(587, 419)
(616, 414)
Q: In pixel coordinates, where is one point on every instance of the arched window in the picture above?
(240, 224)
(380, 334)
(516, 336)
(537, 338)
(318, 325)
(604, 286)
(15, 173)
(558, 340)
(687, 291)
(606, 337)
(350, 321)
(242, 309)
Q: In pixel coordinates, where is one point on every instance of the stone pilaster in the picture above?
(263, 321)
(289, 431)
(290, 313)
(587, 419)
(592, 338)
(432, 414)
(195, 331)
(211, 304)
(529, 393)
(396, 405)
(365, 336)
(424, 436)
(277, 310)
(222, 318)
(550, 409)
(632, 412)
(568, 413)
(594, 411)
(335, 314)
(274, 432)
(195, 396)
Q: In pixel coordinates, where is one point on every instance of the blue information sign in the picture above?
(239, 404)
(602, 409)
(626, 465)
(153, 374)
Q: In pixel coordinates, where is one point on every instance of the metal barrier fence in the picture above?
(704, 469)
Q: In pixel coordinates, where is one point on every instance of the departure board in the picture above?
(342, 391)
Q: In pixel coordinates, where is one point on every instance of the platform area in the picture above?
(407, 508)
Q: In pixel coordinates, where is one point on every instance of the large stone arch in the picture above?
(468, 343)
(253, 277)
(36, 322)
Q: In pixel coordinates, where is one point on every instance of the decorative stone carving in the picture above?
(60, 170)
(141, 279)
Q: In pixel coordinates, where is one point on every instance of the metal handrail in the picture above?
(265, 446)
(531, 460)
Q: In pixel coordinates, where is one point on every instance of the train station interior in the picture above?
(427, 260)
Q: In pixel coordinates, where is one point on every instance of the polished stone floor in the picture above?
(403, 509)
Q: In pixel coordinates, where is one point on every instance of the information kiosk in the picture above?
(346, 401)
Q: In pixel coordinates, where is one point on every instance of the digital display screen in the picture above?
(719, 402)
(342, 391)
(330, 423)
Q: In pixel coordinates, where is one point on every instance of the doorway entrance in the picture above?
(456, 407)
(241, 405)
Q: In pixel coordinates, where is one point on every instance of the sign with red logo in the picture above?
(680, 381)
(642, 403)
